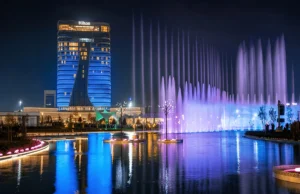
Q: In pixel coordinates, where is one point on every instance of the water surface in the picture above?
(220, 162)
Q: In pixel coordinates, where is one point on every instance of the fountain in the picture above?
(209, 91)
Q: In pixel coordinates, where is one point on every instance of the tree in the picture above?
(124, 122)
(289, 114)
(79, 120)
(262, 115)
(60, 119)
(70, 118)
(48, 119)
(166, 108)
(273, 115)
(89, 117)
(121, 106)
(10, 121)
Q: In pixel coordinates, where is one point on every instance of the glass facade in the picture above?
(83, 64)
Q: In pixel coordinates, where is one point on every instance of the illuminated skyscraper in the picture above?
(83, 64)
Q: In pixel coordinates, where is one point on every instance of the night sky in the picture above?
(28, 37)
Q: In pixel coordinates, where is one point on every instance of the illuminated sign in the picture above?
(84, 23)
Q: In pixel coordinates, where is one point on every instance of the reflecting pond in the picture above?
(217, 162)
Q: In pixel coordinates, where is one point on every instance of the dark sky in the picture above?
(28, 36)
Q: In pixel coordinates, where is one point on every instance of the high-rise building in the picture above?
(83, 64)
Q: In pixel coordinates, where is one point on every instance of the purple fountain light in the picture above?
(210, 91)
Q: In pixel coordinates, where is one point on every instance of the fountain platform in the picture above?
(290, 173)
(170, 141)
(124, 141)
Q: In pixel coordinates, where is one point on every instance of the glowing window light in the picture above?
(297, 169)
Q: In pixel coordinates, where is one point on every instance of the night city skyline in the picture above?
(31, 69)
(153, 97)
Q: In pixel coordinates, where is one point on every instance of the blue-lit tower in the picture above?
(83, 64)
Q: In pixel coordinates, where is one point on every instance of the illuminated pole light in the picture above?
(20, 104)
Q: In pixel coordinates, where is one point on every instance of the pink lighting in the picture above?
(8, 153)
(297, 169)
(1, 154)
(16, 151)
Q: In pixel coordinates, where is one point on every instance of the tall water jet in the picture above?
(178, 59)
(188, 58)
(158, 59)
(260, 72)
(151, 71)
(142, 63)
(197, 60)
(166, 53)
(269, 75)
(133, 60)
(172, 55)
(183, 60)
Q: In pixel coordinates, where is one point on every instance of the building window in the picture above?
(83, 44)
(85, 53)
(74, 75)
(62, 62)
(106, 58)
(73, 66)
(73, 44)
(65, 43)
(104, 29)
(102, 49)
(83, 71)
(102, 62)
(72, 48)
(65, 93)
(97, 58)
(92, 49)
(82, 75)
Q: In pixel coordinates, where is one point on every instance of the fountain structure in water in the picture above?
(208, 90)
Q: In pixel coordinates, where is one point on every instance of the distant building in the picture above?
(49, 98)
(83, 65)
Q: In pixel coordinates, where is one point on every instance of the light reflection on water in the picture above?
(203, 163)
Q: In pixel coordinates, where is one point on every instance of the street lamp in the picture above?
(20, 104)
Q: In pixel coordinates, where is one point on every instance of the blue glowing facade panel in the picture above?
(83, 64)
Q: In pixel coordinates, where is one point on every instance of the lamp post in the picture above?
(20, 104)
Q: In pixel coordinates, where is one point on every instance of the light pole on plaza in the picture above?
(20, 104)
